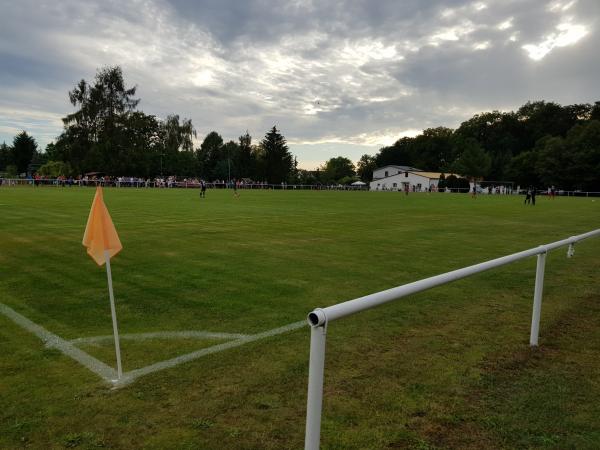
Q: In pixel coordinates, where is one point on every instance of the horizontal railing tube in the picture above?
(350, 307)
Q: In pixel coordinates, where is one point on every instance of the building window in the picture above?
(395, 185)
(386, 173)
(406, 174)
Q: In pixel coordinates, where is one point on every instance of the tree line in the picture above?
(107, 134)
(542, 143)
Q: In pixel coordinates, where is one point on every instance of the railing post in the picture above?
(314, 402)
(537, 299)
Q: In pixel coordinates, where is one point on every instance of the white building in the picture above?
(401, 177)
(388, 171)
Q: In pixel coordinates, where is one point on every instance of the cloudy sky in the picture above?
(336, 77)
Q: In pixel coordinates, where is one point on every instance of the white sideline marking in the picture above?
(52, 340)
(109, 374)
(190, 334)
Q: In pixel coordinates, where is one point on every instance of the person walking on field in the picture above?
(533, 196)
(234, 184)
(202, 189)
(474, 192)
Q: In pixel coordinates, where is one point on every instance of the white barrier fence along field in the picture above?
(131, 182)
(163, 183)
(320, 318)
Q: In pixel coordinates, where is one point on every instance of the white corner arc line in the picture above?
(105, 372)
(131, 376)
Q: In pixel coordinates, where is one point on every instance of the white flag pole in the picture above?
(114, 314)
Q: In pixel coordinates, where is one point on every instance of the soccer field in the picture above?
(227, 280)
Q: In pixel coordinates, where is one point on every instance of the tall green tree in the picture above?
(595, 111)
(295, 171)
(96, 134)
(209, 154)
(260, 165)
(6, 156)
(230, 161)
(246, 158)
(365, 167)
(432, 149)
(178, 136)
(308, 177)
(277, 157)
(522, 169)
(572, 162)
(141, 145)
(401, 153)
(584, 139)
(552, 161)
(54, 169)
(500, 134)
(99, 105)
(472, 161)
(335, 169)
(24, 148)
(176, 146)
(542, 118)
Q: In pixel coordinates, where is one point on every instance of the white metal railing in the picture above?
(153, 183)
(321, 317)
(139, 183)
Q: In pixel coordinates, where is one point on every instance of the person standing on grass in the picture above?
(235, 192)
(528, 196)
(474, 191)
(533, 195)
(202, 189)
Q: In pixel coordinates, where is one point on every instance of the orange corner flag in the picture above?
(100, 233)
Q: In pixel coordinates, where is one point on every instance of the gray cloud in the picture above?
(336, 77)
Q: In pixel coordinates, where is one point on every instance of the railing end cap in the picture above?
(317, 318)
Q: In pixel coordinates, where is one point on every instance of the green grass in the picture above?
(447, 368)
(144, 352)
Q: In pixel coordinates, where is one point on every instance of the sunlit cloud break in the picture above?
(567, 34)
